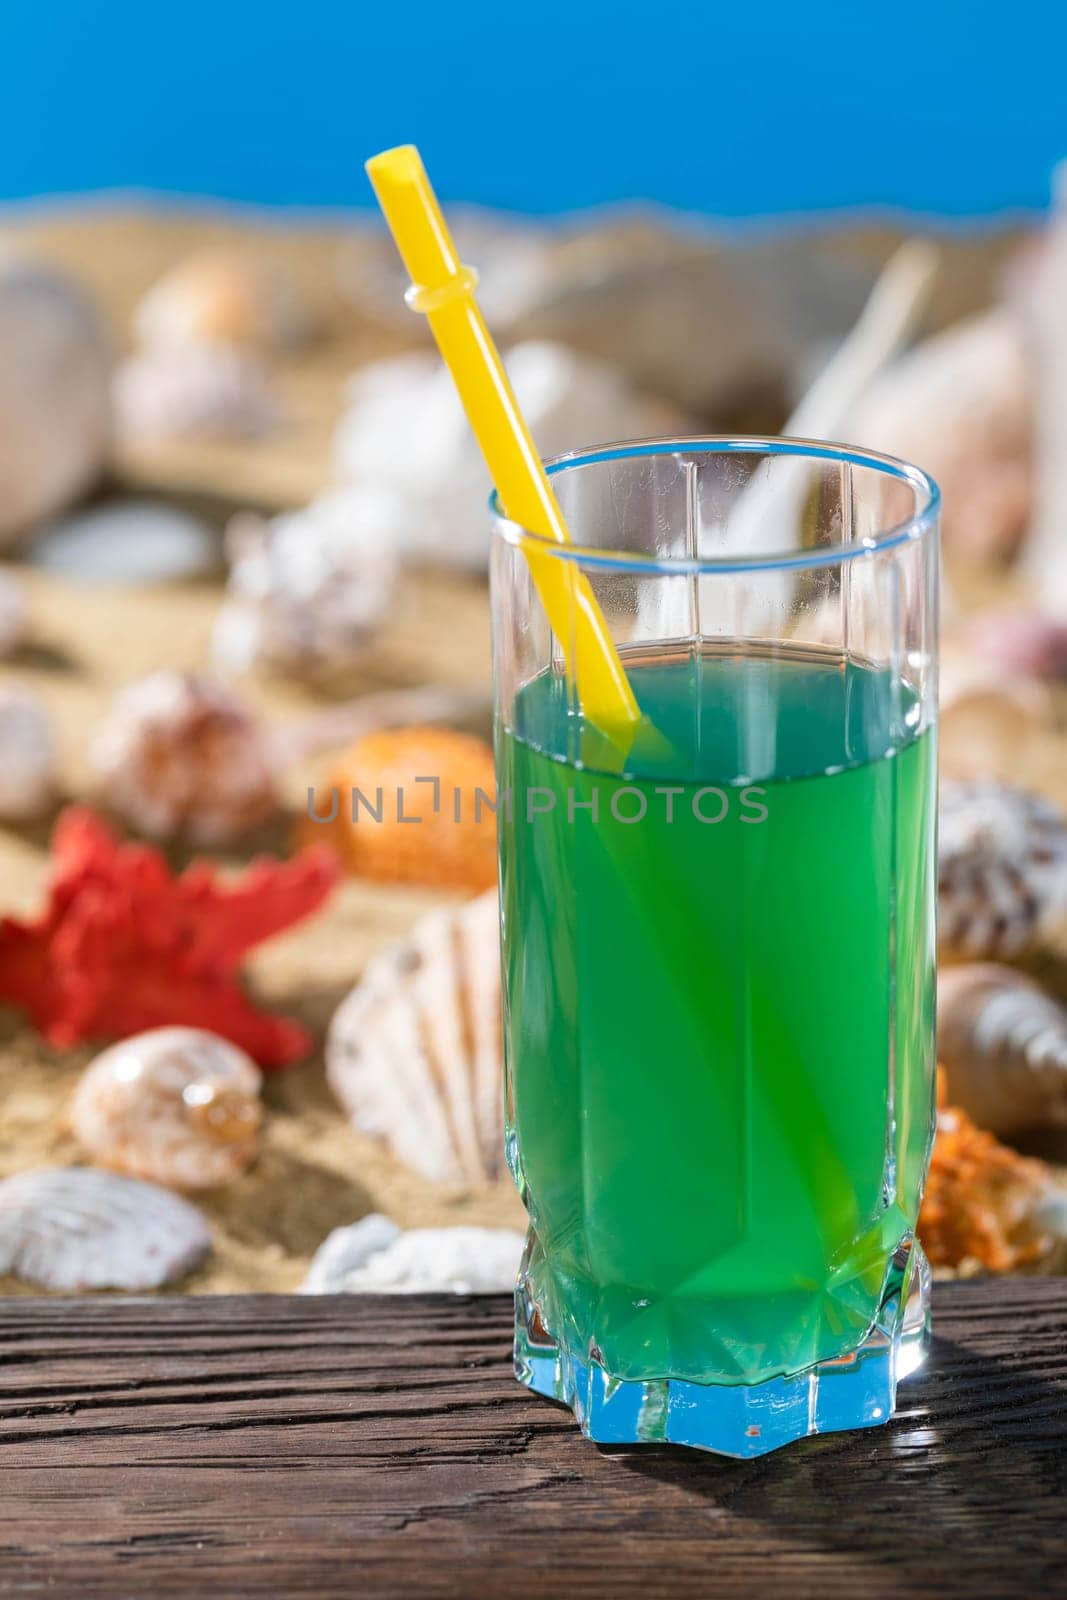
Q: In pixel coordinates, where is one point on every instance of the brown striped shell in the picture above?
(1002, 871)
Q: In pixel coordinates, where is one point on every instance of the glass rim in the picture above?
(922, 521)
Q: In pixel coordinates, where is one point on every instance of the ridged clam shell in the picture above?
(176, 1106)
(1002, 870)
(374, 1257)
(414, 1054)
(73, 1228)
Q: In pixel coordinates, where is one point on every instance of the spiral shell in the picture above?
(176, 1106)
(310, 590)
(179, 754)
(415, 1052)
(1002, 871)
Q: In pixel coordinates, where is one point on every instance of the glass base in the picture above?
(853, 1391)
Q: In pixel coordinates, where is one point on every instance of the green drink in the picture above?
(717, 1175)
(718, 943)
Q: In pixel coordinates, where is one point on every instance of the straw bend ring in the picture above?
(418, 298)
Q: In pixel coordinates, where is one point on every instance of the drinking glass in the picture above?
(718, 944)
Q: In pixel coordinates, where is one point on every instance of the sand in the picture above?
(314, 1172)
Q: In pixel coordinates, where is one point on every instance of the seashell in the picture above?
(14, 618)
(193, 392)
(179, 754)
(404, 431)
(72, 1228)
(176, 1106)
(310, 590)
(127, 541)
(986, 1208)
(1002, 871)
(374, 1257)
(55, 408)
(28, 766)
(989, 717)
(1002, 1044)
(1044, 559)
(414, 1054)
(217, 297)
(961, 404)
(387, 778)
(1025, 642)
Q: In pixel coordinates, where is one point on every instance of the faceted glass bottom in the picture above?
(853, 1391)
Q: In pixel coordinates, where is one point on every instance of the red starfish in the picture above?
(124, 944)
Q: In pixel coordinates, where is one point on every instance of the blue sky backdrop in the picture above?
(934, 105)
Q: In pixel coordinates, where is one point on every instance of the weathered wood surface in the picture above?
(289, 1447)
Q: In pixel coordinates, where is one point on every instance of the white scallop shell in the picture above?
(179, 754)
(414, 1054)
(309, 590)
(177, 1106)
(55, 408)
(73, 1228)
(28, 767)
(374, 1257)
(199, 391)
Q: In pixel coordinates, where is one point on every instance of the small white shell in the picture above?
(215, 297)
(177, 1106)
(404, 431)
(72, 1228)
(198, 392)
(374, 1257)
(181, 755)
(310, 590)
(27, 757)
(414, 1054)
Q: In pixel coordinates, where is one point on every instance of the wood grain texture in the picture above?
(361, 1446)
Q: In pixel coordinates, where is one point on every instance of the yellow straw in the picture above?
(443, 289)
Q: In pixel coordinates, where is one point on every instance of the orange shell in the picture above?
(978, 1199)
(381, 770)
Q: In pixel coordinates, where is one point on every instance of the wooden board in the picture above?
(380, 1447)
